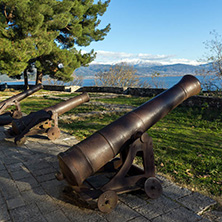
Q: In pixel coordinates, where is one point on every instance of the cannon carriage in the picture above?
(43, 121)
(126, 138)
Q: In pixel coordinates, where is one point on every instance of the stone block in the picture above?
(197, 202)
(178, 215)
(121, 213)
(57, 216)
(34, 195)
(27, 183)
(15, 202)
(4, 216)
(8, 188)
(133, 201)
(47, 206)
(20, 174)
(25, 213)
(157, 207)
(46, 177)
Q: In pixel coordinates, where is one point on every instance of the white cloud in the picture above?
(107, 57)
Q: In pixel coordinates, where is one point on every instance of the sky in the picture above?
(157, 31)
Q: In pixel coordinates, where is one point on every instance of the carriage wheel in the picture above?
(53, 133)
(107, 201)
(153, 188)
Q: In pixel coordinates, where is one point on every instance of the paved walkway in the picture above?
(29, 191)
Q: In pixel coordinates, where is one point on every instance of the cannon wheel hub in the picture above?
(53, 133)
(153, 188)
(107, 201)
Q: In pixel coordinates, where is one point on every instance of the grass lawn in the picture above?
(187, 142)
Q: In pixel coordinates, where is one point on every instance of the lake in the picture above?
(166, 81)
(156, 82)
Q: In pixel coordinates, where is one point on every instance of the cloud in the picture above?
(107, 57)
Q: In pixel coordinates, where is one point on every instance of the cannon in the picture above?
(114, 147)
(6, 117)
(41, 121)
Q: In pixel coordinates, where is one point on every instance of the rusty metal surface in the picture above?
(7, 117)
(127, 176)
(11, 101)
(69, 104)
(88, 156)
(107, 201)
(38, 122)
(153, 188)
(53, 133)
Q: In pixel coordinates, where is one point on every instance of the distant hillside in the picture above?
(142, 70)
(4, 78)
(171, 70)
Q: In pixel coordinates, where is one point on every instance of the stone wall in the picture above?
(117, 90)
(201, 101)
(46, 87)
(146, 92)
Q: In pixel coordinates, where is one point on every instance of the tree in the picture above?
(213, 71)
(45, 33)
(119, 75)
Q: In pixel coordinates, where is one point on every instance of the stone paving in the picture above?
(30, 192)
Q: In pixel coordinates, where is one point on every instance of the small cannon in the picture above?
(125, 136)
(40, 122)
(6, 117)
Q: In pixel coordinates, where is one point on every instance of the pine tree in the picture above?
(46, 33)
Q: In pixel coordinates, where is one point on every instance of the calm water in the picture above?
(157, 82)
(164, 82)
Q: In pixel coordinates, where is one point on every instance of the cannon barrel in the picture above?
(8, 102)
(34, 118)
(87, 157)
(69, 104)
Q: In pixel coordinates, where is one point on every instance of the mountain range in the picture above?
(142, 69)
(148, 70)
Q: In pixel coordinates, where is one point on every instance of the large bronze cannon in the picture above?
(40, 122)
(125, 136)
(6, 117)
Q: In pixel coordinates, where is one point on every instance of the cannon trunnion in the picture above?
(126, 137)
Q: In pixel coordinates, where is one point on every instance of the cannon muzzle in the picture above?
(87, 157)
(67, 105)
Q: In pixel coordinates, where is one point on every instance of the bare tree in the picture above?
(213, 72)
(156, 82)
(119, 75)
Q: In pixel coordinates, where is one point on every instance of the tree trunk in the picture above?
(26, 80)
(38, 78)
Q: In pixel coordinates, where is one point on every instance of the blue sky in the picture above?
(163, 31)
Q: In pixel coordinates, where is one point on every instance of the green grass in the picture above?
(67, 95)
(125, 100)
(188, 147)
(84, 127)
